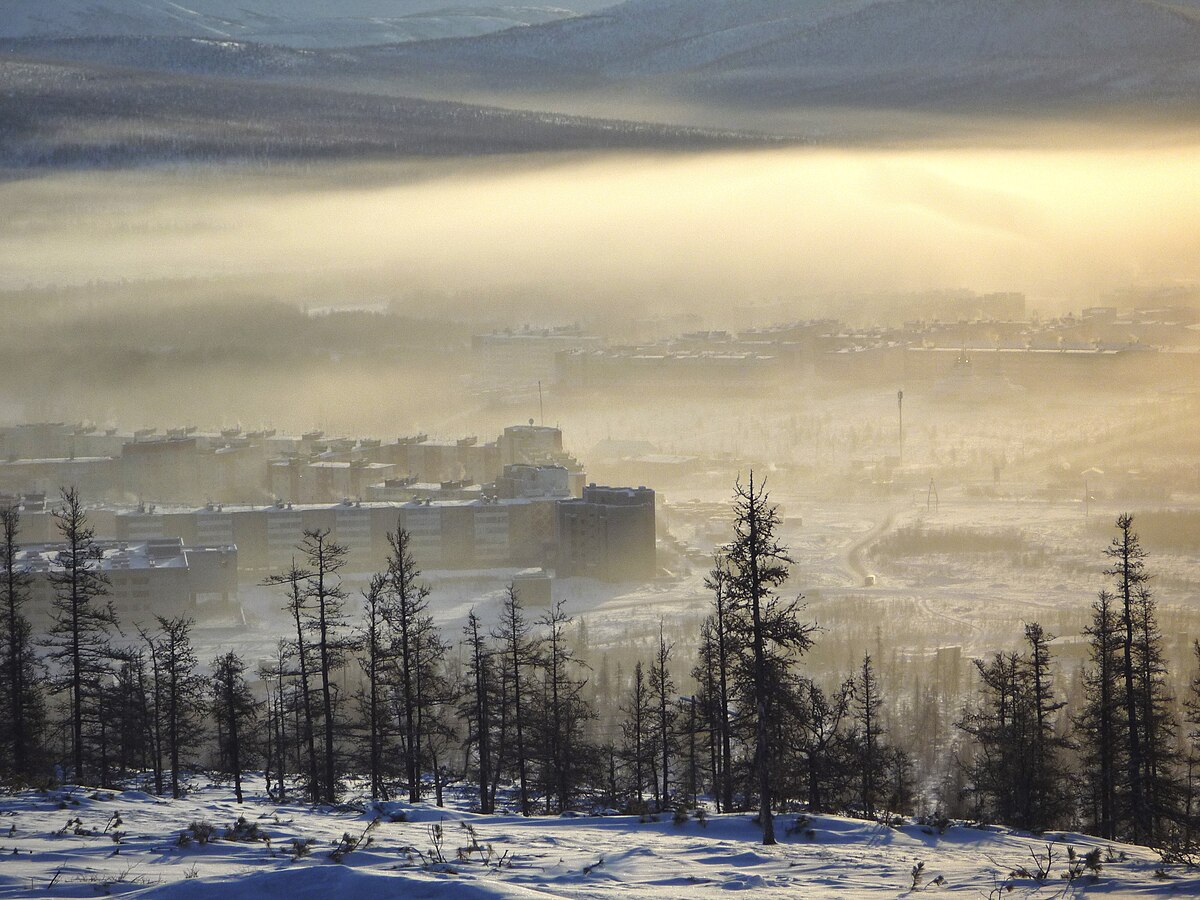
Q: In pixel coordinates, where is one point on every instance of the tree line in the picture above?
(368, 687)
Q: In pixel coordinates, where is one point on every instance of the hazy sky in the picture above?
(701, 228)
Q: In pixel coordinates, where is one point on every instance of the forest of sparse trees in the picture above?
(367, 694)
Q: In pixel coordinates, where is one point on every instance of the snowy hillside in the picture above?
(80, 842)
(68, 115)
(976, 55)
(891, 51)
(307, 23)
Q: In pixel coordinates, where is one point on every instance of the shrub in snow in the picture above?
(246, 832)
(200, 831)
(350, 842)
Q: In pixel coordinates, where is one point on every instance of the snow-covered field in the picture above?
(61, 844)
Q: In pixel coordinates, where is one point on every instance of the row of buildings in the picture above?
(993, 330)
(165, 560)
(185, 465)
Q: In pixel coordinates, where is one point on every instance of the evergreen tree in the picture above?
(326, 602)
(295, 580)
(564, 713)
(637, 749)
(518, 653)
(867, 709)
(235, 711)
(376, 661)
(24, 711)
(662, 695)
(723, 650)
(1047, 802)
(406, 614)
(1100, 723)
(773, 635)
(1127, 569)
(479, 708)
(181, 693)
(79, 640)
(818, 739)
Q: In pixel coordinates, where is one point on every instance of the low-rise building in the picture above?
(155, 577)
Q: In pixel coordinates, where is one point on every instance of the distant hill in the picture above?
(291, 23)
(754, 57)
(888, 52)
(82, 116)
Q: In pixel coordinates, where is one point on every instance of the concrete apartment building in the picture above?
(146, 578)
(609, 534)
(447, 534)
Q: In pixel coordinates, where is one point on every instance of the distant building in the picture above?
(609, 534)
(94, 476)
(525, 356)
(531, 482)
(325, 481)
(449, 534)
(156, 577)
(166, 470)
(539, 445)
(534, 587)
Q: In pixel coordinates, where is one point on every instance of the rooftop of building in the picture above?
(154, 553)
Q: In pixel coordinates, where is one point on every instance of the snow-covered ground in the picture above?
(47, 853)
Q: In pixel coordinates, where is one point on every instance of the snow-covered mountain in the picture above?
(846, 51)
(298, 23)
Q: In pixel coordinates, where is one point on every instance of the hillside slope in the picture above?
(72, 115)
(303, 23)
(895, 52)
(506, 856)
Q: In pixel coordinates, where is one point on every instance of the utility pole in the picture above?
(541, 409)
(900, 407)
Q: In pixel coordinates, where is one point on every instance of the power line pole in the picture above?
(900, 407)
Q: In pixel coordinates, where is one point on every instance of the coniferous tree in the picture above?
(24, 705)
(1191, 787)
(79, 639)
(413, 650)
(999, 724)
(235, 711)
(637, 748)
(1160, 757)
(867, 710)
(479, 708)
(772, 633)
(274, 676)
(376, 661)
(326, 604)
(518, 653)
(723, 650)
(1128, 569)
(1151, 760)
(181, 693)
(709, 723)
(564, 712)
(132, 714)
(1018, 775)
(1047, 803)
(819, 742)
(295, 580)
(1100, 723)
(662, 695)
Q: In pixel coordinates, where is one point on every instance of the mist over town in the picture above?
(599, 450)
